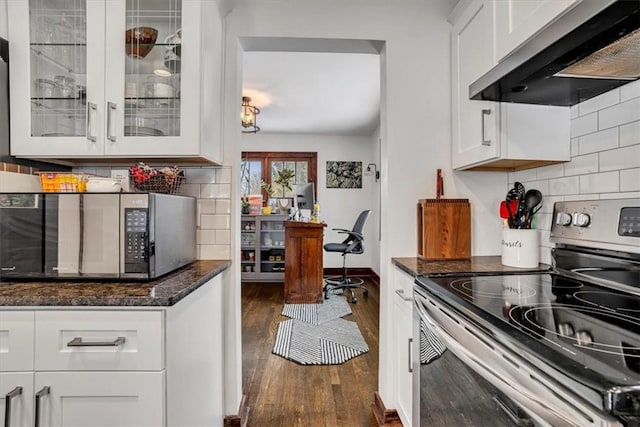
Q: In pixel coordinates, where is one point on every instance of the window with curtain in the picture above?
(262, 166)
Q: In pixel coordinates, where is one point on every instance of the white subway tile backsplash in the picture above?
(605, 157)
(630, 180)
(598, 141)
(564, 186)
(214, 252)
(526, 175)
(584, 125)
(552, 171)
(625, 195)
(223, 237)
(215, 191)
(581, 197)
(547, 203)
(630, 134)
(543, 221)
(540, 185)
(192, 190)
(606, 182)
(574, 111)
(207, 206)
(621, 158)
(620, 114)
(223, 175)
(201, 175)
(223, 206)
(600, 102)
(582, 165)
(575, 147)
(630, 90)
(545, 254)
(213, 222)
(206, 237)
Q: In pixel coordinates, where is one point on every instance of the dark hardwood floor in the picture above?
(280, 392)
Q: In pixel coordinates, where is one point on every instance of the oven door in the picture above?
(531, 390)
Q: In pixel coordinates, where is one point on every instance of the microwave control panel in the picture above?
(136, 240)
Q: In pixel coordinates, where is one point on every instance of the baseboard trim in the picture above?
(242, 418)
(354, 271)
(385, 417)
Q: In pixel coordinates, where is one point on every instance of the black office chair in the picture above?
(353, 244)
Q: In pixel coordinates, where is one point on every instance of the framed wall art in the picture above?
(344, 174)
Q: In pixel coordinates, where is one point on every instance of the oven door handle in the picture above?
(468, 358)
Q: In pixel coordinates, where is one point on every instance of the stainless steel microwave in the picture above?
(95, 235)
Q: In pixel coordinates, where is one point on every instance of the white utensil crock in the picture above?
(520, 248)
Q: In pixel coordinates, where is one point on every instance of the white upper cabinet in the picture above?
(489, 135)
(519, 20)
(106, 79)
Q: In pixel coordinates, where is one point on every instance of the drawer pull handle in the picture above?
(91, 112)
(111, 108)
(7, 404)
(45, 390)
(400, 293)
(77, 342)
(485, 141)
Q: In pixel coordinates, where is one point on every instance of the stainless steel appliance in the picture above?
(559, 348)
(95, 235)
(589, 50)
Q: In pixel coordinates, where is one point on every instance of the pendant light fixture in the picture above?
(248, 116)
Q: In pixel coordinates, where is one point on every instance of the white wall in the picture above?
(605, 157)
(339, 208)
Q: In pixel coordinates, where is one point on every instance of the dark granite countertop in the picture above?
(475, 265)
(164, 291)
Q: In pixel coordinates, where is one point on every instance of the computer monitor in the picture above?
(304, 196)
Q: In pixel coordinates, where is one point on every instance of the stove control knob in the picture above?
(581, 219)
(563, 218)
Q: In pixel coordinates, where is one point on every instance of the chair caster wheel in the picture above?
(354, 300)
(365, 293)
(326, 295)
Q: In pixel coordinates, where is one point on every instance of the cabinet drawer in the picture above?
(16, 341)
(92, 341)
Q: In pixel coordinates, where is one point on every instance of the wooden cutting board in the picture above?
(444, 229)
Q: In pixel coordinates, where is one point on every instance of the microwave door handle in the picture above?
(81, 242)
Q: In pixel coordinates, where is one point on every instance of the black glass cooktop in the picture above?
(576, 326)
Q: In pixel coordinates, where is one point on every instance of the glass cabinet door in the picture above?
(58, 65)
(153, 77)
(153, 52)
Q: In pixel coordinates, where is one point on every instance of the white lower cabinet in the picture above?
(403, 314)
(110, 366)
(17, 387)
(109, 399)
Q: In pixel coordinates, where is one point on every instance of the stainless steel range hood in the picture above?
(591, 49)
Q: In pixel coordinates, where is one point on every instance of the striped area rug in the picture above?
(331, 343)
(317, 335)
(332, 308)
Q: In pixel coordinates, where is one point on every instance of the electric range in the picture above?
(568, 339)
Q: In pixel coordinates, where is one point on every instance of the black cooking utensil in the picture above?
(511, 195)
(521, 212)
(532, 198)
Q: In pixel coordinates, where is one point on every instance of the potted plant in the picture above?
(244, 202)
(268, 188)
(284, 178)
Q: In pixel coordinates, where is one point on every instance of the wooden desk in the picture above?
(303, 262)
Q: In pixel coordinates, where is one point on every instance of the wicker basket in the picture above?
(159, 184)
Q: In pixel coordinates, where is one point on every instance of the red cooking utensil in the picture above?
(504, 211)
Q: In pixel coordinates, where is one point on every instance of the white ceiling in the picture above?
(315, 93)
